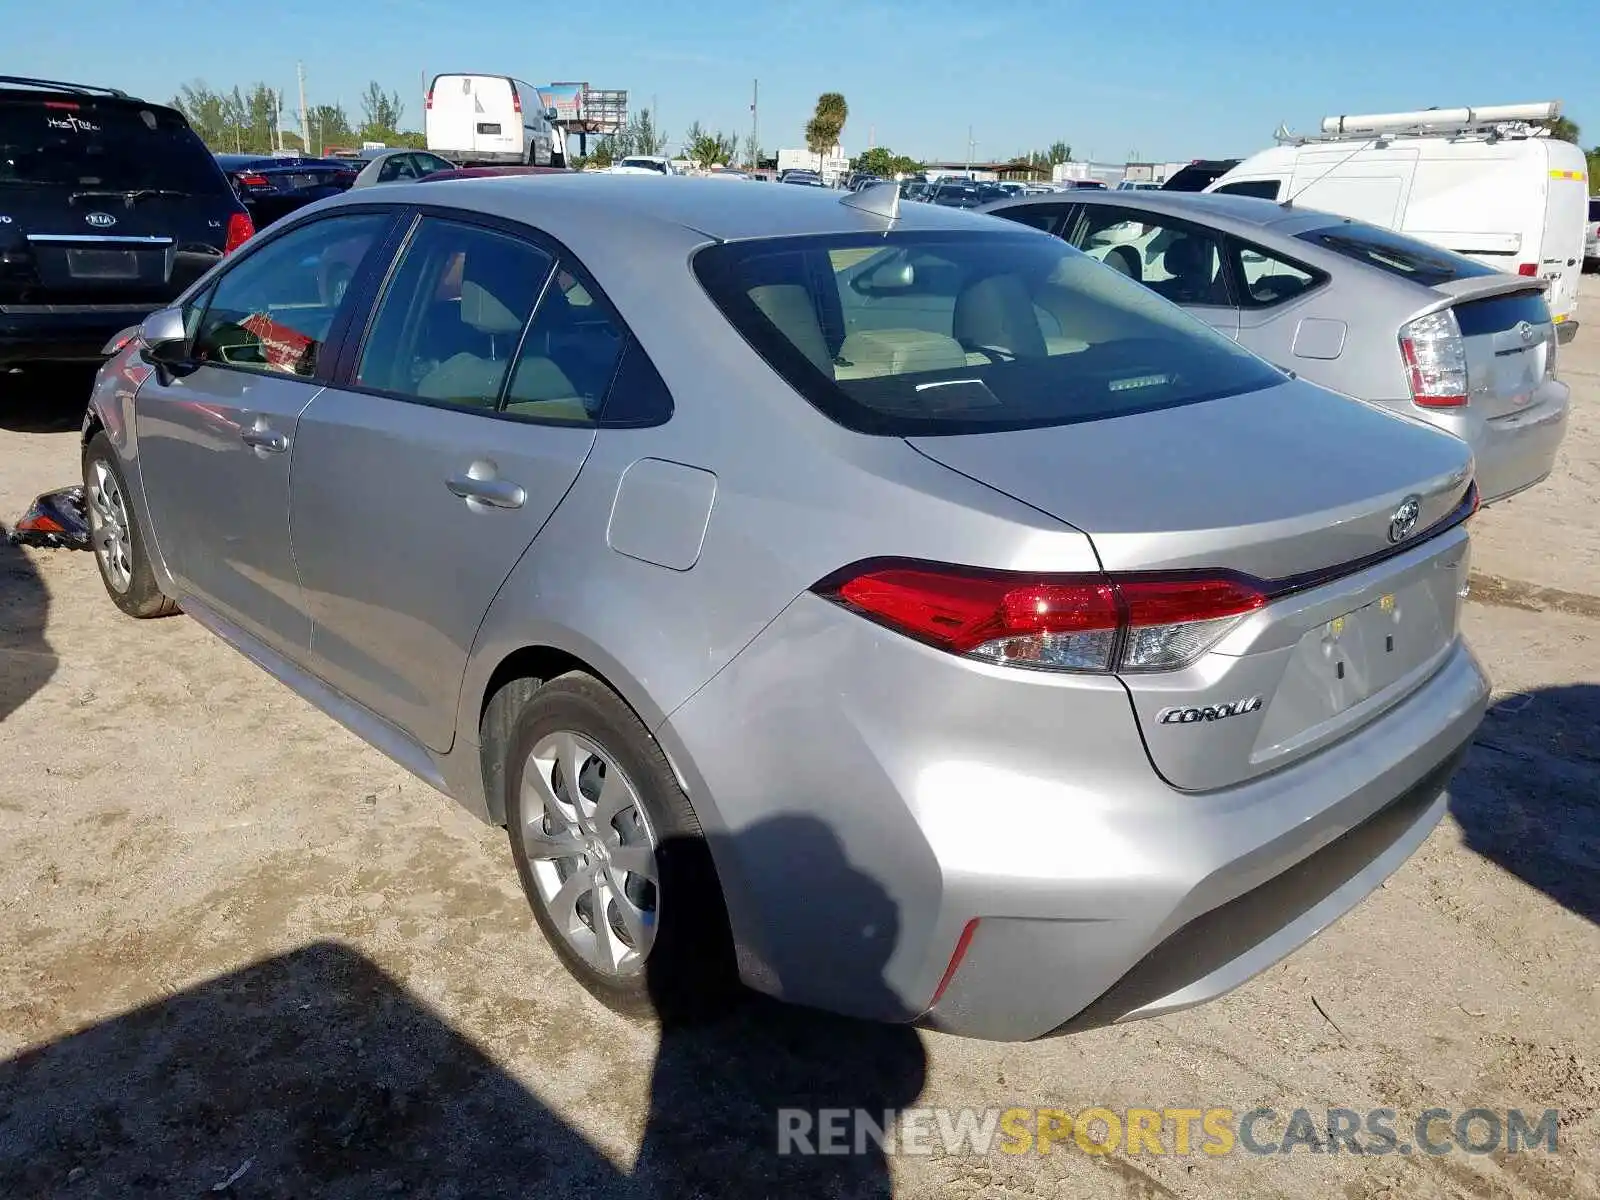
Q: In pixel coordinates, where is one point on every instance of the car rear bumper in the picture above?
(873, 804)
(63, 333)
(1515, 452)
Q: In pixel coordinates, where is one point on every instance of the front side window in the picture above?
(273, 310)
(906, 334)
(1180, 262)
(448, 326)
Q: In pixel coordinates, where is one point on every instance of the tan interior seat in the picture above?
(869, 353)
(789, 307)
(467, 378)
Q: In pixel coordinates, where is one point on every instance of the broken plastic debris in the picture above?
(235, 1177)
(54, 519)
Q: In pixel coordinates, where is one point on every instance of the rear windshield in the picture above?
(650, 164)
(960, 190)
(1594, 210)
(103, 147)
(920, 334)
(1395, 253)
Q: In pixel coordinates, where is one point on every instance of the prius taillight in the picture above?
(1053, 622)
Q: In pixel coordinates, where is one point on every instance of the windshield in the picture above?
(1395, 253)
(103, 147)
(966, 332)
(650, 164)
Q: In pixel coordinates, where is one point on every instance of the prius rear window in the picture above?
(919, 334)
(1395, 253)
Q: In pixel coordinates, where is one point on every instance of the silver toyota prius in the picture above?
(892, 608)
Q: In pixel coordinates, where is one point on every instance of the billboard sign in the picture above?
(565, 98)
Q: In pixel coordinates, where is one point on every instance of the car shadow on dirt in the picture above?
(1528, 798)
(315, 1073)
(45, 399)
(27, 661)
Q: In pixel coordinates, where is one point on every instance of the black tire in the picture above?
(688, 972)
(141, 596)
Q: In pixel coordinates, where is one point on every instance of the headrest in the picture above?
(484, 313)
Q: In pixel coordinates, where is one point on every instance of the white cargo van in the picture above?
(492, 119)
(1485, 182)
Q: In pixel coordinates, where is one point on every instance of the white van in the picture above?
(492, 119)
(1485, 182)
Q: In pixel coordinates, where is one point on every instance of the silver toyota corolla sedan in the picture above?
(892, 606)
(1362, 310)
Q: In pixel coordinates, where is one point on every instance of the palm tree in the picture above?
(826, 126)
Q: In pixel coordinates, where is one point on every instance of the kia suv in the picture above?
(109, 208)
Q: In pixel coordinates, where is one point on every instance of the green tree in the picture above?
(826, 126)
(706, 149)
(1593, 156)
(1563, 129)
(261, 118)
(380, 112)
(638, 136)
(204, 110)
(885, 162)
(330, 126)
(753, 153)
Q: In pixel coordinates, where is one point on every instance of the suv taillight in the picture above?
(1053, 622)
(1435, 355)
(240, 230)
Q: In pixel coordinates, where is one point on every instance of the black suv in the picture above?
(109, 208)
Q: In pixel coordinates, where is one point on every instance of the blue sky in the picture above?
(1171, 79)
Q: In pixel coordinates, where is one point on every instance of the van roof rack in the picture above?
(58, 85)
(1496, 120)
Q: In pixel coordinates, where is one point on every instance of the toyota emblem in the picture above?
(101, 220)
(1404, 522)
(1525, 332)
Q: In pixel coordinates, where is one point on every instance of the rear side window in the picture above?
(944, 333)
(1267, 279)
(1594, 210)
(1395, 253)
(1040, 216)
(92, 147)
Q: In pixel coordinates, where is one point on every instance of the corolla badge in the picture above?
(1404, 522)
(100, 220)
(1209, 712)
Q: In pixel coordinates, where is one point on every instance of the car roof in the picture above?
(1235, 213)
(581, 200)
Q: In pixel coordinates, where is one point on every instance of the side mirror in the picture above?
(550, 114)
(164, 337)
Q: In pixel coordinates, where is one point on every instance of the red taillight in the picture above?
(427, 101)
(1435, 357)
(240, 230)
(1061, 623)
(516, 101)
(68, 105)
(254, 181)
(1528, 269)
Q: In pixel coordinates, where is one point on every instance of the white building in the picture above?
(832, 166)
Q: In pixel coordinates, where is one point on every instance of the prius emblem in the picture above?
(1404, 521)
(101, 220)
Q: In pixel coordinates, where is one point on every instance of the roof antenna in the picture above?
(880, 199)
(1288, 201)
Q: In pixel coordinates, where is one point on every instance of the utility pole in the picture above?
(970, 145)
(755, 125)
(305, 124)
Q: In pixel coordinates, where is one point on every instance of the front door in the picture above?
(216, 435)
(421, 481)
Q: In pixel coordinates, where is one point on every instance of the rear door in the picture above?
(1565, 225)
(424, 476)
(496, 125)
(451, 114)
(105, 203)
(216, 436)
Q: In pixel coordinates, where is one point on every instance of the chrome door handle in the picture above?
(478, 486)
(259, 437)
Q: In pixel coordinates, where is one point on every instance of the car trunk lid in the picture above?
(1508, 335)
(1328, 502)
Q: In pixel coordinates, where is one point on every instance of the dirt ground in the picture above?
(234, 939)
